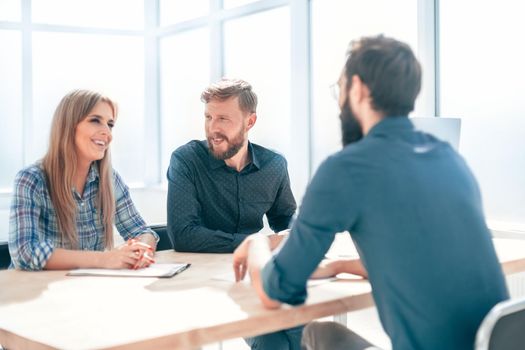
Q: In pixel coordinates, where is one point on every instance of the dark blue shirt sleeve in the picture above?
(283, 209)
(184, 215)
(326, 210)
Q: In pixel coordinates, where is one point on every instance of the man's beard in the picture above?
(350, 127)
(233, 146)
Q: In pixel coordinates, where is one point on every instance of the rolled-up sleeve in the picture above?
(28, 247)
(128, 221)
(326, 209)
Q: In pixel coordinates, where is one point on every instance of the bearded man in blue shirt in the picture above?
(221, 188)
(413, 209)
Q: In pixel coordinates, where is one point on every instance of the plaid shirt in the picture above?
(33, 225)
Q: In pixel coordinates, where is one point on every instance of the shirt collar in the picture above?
(92, 176)
(253, 155)
(217, 163)
(92, 173)
(391, 124)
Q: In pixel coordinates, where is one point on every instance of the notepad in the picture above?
(154, 270)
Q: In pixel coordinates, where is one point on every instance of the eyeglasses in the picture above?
(335, 90)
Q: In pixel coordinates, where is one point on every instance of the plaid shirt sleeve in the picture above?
(128, 221)
(29, 248)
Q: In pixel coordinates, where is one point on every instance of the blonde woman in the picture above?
(64, 207)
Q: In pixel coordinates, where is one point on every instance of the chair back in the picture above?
(5, 258)
(165, 242)
(504, 327)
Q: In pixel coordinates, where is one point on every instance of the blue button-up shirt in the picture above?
(212, 208)
(33, 225)
(414, 212)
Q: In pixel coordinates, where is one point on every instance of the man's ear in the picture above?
(359, 90)
(252, 118)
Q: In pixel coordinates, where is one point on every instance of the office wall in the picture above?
(341, 22)
(482, 81)
(151, 204)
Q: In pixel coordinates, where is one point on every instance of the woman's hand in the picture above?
(132, 255)
(123, 257)
(148, 244)
(145, 253)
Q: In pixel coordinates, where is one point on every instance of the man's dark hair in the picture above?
(227, 88)
(390, 71)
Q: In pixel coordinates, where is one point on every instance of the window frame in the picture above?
(301, 90)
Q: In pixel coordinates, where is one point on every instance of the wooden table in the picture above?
(42, 310)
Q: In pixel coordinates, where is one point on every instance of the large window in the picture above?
(110, 64)
(482, 82)
(51, 47)
(211, 44)
(10, 10)
(185, 73)
(262, 57)
(11, 134)
(74, 49)
(176, 11)
(334, 24)
(116, 14)
(234, 3)
(155, 57)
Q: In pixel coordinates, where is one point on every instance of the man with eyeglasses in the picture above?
(413, 209)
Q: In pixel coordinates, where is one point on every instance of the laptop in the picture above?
(446, 129)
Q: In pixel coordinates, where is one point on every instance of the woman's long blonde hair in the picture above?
(60, 163)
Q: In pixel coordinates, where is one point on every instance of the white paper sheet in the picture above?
(154, 270)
